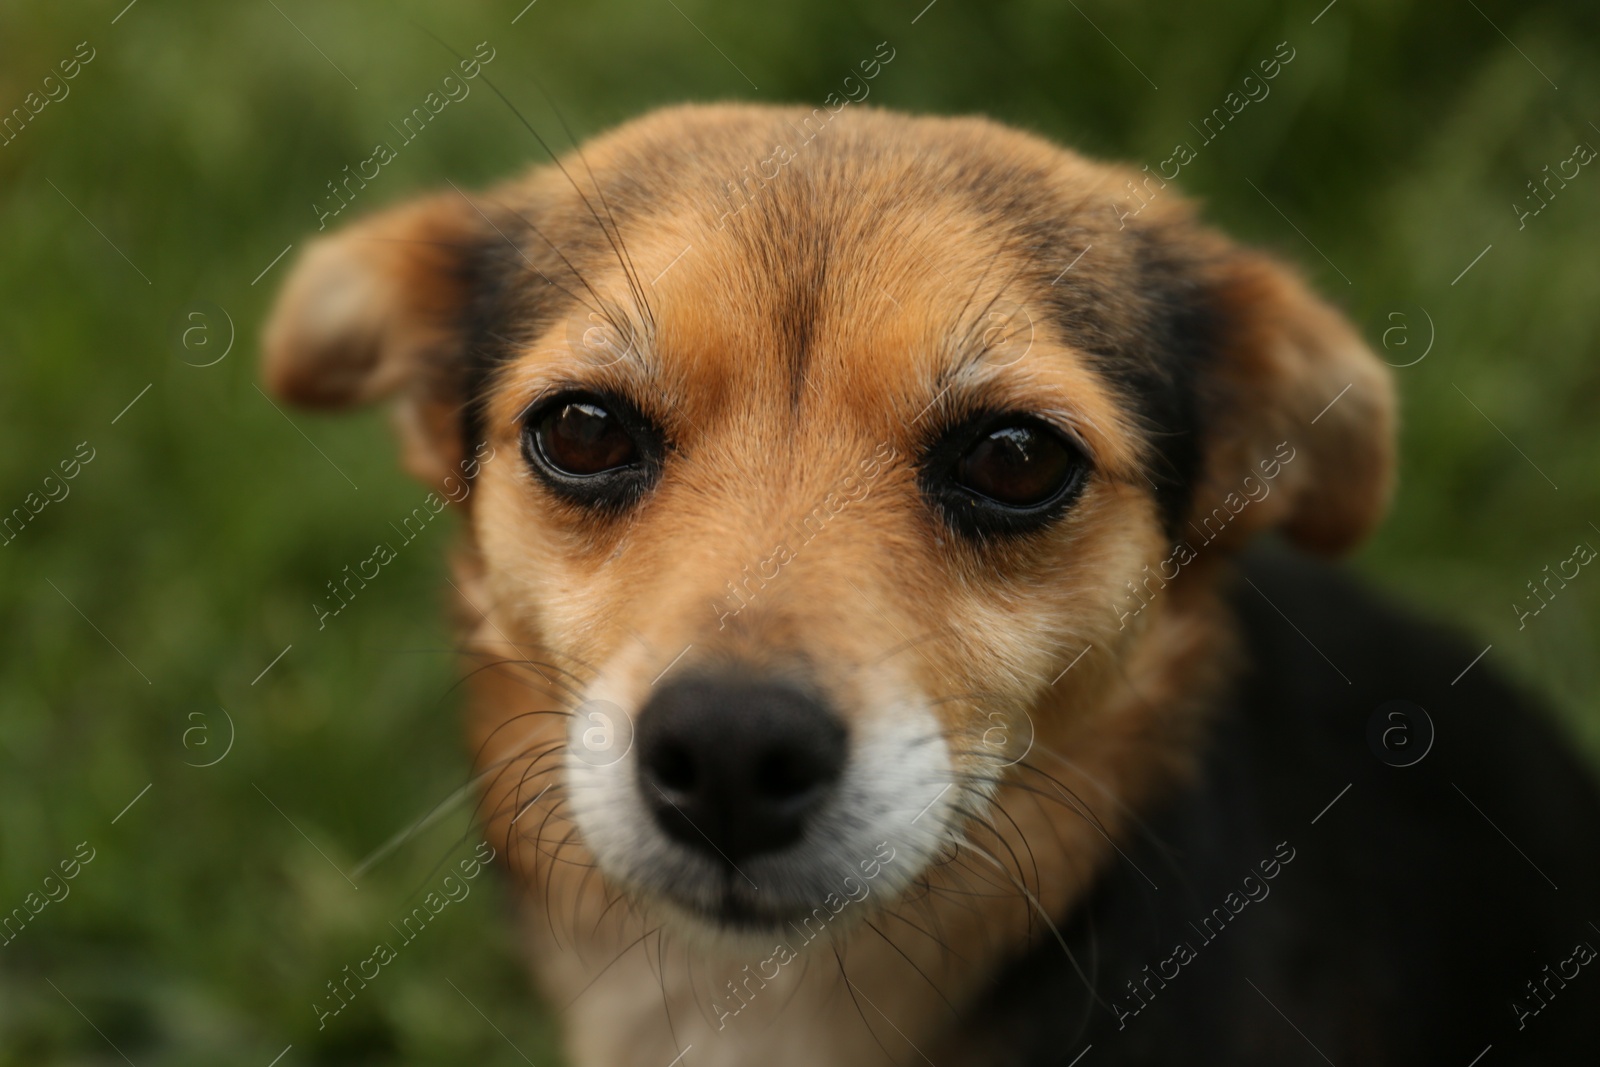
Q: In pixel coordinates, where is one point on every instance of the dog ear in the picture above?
(382, 308)
(1297, 403)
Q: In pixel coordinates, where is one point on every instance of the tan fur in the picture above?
(769, 412)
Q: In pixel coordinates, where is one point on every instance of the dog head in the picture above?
(832, 470)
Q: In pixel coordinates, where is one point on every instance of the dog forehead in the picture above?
(782, 228)
(884, 264)
(794, 296)
(811, 275)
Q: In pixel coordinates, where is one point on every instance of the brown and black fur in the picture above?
(787, 336)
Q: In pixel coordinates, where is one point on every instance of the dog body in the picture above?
(850, 565)
(1316, 898)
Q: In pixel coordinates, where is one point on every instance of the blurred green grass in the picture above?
(195, 541)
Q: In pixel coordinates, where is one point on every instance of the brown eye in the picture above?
(580, 438)
(1003, 474)
(1020, 466)
(595, 450)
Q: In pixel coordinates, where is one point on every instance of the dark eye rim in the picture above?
(613, 489)
(972, 513)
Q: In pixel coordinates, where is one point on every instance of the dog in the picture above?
(893, 580)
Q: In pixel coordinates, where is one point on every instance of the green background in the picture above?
(194, 543)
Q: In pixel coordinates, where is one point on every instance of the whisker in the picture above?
(894, 913)
(633, 282)
(1049, 923)
(599, 191)
(914, 966)
(554, 158)
(661, 980)
(600, 973)
(851, 989)
(524, 256)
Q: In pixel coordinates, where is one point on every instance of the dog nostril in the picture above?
(734, 766)
(672, 766)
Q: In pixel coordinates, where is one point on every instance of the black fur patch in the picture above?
(1158, 366)
(1405, 930)
(517, 293)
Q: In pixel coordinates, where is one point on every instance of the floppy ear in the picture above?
(383, 307)
(1298, 392)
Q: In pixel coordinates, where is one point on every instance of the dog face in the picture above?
(826, 486)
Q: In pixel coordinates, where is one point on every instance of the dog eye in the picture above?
(594, 450)
(1003, 474)
(1020, 466)
(580, 438)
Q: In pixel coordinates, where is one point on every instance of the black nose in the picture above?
(733, 767)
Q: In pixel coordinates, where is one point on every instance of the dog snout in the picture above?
(734, 767)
